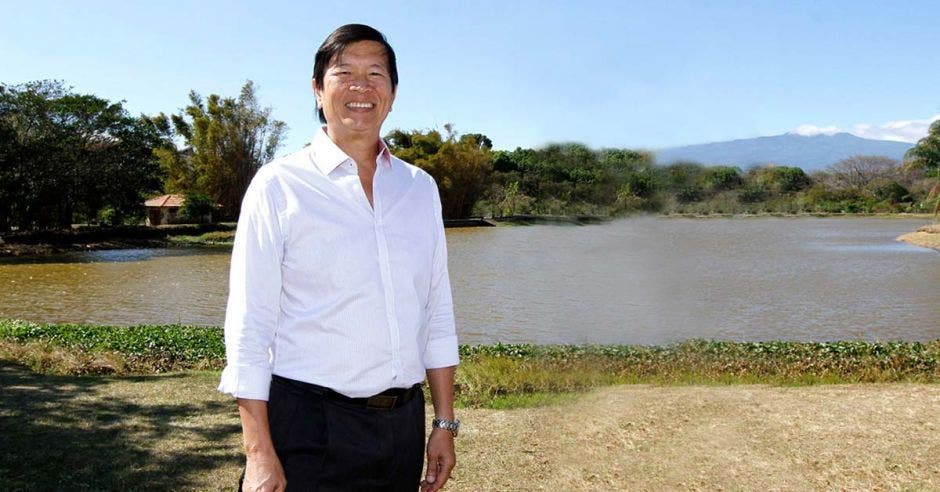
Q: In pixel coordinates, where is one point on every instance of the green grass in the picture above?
(491, 373)
(501, 375)
(89, 349)
(215, 238)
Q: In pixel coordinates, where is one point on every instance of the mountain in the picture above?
(810, 153)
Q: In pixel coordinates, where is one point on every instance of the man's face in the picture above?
(357, 91)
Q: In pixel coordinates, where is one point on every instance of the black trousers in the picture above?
(328, 445)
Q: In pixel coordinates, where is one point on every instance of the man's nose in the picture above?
(360, 85)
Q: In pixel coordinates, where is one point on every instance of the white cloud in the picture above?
(811, 130)
(899, 131)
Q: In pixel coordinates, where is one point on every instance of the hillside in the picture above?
(808, 152)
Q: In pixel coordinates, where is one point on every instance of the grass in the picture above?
(492, 373)
(89, 349)
(174, 431)
(115, 408)
(154, 432)
(215, 238)
(501, 375)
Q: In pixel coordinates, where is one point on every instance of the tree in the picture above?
(926, 155)
(197, 208)
(68, 156)
(778, 179)
(719, 178)
(228, 140)
(682, 175)
(858, 171)
(460, 165)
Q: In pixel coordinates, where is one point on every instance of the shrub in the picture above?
(197, 208)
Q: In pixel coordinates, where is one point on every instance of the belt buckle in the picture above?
(383, 402)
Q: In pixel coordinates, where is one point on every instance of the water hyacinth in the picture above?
(499, 374)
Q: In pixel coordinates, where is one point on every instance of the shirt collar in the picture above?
(327, 156)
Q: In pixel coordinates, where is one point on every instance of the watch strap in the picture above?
(452, 426)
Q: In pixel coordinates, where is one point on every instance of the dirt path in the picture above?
(176, 432)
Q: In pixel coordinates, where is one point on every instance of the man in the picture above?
(339, 298)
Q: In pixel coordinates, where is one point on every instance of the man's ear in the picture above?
(316, 90)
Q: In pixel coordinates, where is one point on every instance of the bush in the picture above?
(689, 194)
(719, 178)
(753, 194)
(197, 208)
(888, 190)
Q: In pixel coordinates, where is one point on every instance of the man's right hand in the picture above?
(263, 473)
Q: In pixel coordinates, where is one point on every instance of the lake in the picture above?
(634, 281)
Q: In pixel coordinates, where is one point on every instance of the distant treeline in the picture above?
(570, 178)
(70, 158)
(573, 179)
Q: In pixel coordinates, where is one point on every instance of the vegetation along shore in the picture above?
(498, 375)
(92, 238)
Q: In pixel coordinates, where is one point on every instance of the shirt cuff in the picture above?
(252, 383)
(441, 352)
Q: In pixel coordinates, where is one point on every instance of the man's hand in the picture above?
(441, 460)
(264, 473)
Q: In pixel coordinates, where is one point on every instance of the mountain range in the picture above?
(811, 153)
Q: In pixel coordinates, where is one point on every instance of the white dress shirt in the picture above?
(326, 289)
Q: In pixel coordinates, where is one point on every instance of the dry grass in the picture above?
(50, 358)
(844, 437)
(175, 431)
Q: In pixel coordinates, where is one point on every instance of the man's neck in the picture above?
(362, 148)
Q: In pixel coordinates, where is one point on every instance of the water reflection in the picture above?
(113, 255)
(640, 280)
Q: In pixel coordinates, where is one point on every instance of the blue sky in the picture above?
(609, 74)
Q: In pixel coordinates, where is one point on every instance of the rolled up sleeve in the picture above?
(251, 316)
(441, 350)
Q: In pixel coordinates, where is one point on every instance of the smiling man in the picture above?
(339, 298)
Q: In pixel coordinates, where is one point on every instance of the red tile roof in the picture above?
(166, 201)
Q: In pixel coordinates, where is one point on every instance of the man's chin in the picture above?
(359, 126)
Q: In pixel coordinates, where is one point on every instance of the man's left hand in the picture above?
(441, 460)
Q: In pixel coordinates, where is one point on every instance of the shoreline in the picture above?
(500, 375)
(93, 238)
(926, 237)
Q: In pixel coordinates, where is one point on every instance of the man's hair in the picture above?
(336, 43)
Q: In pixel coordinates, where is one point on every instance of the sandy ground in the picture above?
(927, 237)
(861, 437)
(176, 432)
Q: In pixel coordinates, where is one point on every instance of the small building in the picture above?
(164, 209)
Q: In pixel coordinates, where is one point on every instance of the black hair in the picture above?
(338, 40)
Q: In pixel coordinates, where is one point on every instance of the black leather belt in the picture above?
(386, 400)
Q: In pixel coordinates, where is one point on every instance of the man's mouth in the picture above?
(360, 105)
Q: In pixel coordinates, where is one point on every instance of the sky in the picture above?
(630, 74)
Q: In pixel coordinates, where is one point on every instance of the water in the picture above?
(642, 280)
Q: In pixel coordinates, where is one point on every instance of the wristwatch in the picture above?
(453, 426)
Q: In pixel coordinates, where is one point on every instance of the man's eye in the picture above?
(377, 74)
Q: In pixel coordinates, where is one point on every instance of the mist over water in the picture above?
(636, 281)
